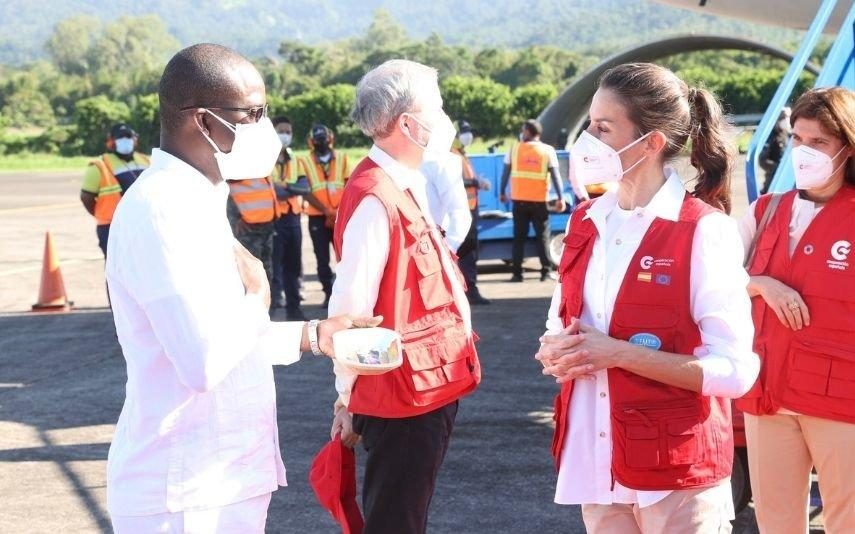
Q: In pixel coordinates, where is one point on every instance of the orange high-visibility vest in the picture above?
(288, 174)
(255, 199)
(468, 180)
(327, 186)
(529, 172)
(109, 190)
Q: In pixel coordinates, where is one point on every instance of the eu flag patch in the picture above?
(663, 279)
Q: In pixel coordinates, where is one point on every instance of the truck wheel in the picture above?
(556, 248)
(740, 480)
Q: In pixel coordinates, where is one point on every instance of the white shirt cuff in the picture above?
(280, 342)
(727, 378)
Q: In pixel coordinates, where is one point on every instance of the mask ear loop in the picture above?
(411, 138)
(637, 163)
(225, 123)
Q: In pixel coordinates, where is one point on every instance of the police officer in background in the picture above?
(108, 177)
(327, 172)
(528, 166)
(289, 182)
(468, 251)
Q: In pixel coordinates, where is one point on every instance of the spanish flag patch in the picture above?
(645, 277)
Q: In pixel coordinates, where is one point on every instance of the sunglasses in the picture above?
(256, 113)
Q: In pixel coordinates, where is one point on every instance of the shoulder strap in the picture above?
(767, 215)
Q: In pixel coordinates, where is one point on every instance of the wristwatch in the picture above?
(312, 331)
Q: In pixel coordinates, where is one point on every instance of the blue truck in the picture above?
(496, 225)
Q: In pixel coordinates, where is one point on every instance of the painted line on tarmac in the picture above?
(39, 267)
(39, 208)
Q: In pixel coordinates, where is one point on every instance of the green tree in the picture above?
(383, 33)
(487, 105)
(329, 106)
(69, 44)
(145, 120)
(530, 100)
(94, 117)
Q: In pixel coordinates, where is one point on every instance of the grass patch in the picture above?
(42, 162)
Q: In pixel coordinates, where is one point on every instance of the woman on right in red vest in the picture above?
(649, 332)
(801, 412)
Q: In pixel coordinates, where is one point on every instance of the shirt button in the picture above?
(640, 214)
(602, 394)
(618, 241)
(602, 434)
(599, 316)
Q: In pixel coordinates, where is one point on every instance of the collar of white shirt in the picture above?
(164, 161)
(666, 203)
(403, 176)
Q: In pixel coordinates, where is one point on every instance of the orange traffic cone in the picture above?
(52, 295)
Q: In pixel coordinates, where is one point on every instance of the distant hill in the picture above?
(255, 27)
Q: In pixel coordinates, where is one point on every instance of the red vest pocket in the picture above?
(830, 297)
(821, 375)
(659, 435)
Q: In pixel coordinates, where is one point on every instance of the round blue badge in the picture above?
(646, 340)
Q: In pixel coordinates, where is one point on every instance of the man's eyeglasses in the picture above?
(256, 113)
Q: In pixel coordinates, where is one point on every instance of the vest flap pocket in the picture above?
(830, 285)
(642, 431)
(644, 316)
(822, 368)
(831, 300)
(439, 362)
(659, 435)
(426, 259)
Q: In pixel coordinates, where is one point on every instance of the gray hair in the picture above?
(387, 91)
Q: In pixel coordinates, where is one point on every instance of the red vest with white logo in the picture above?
(663, 437)
(810, 371)
(415, 299)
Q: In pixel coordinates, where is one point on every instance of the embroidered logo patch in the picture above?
(646, 262)
(663, 279)
(646, 340)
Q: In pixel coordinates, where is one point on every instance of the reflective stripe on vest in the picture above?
(810, 371)
(663, 437)
(328, 186)
(529, 172)
(288, 175)
(255, 200)
(109, 191)
(415, 298)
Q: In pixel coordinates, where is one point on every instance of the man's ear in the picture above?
(201, 121)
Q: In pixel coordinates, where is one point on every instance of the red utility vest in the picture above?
(811, 371)
(663, 437)
(415, 300)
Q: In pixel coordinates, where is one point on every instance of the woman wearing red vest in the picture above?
(801, 412)
(649, 332)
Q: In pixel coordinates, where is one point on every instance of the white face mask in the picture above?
(125, 146)
(285, 139)
(813, 168)
(254, 150)
(595, 162)
(441, 136)
(466, 138)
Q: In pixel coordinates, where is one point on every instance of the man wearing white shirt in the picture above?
(196, 447)
(446, 197)
(393, 261)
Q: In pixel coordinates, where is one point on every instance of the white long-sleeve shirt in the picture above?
(365, 251)
(720, 306)
(198, 426)
(446, 197)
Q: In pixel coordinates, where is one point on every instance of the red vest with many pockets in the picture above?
(663, 437)
(415, 299)
(810, 371)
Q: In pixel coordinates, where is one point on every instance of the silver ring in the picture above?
(794, 305)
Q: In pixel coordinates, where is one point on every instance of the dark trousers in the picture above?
(322, 238)
(287, 259)
(103, 233)
(536, 215)
(468, 257)
(403, 461)
(258, 240)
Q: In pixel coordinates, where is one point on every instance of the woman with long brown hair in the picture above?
(649, 331)
(801, 412)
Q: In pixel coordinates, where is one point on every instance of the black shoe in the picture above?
(477, 300)
(294, 314)
(516, 278)
(548, 275)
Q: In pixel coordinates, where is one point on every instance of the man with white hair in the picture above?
(393, 261)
